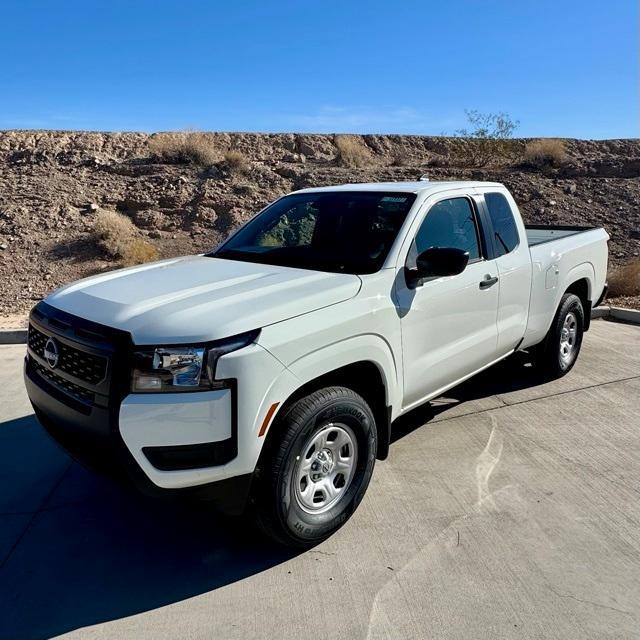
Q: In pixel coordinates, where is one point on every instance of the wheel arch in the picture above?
(367, 379)
(581, 285)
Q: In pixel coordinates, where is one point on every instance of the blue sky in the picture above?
(562, 68)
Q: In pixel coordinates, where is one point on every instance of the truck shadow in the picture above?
(513, 374)
(77, 550)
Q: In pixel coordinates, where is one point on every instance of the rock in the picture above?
(92, 206)
(206, 215)
(148, 219)
(570, 188)
(294, 157)
(552, 203)
(289, 172)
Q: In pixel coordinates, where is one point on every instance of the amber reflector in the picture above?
(267, 419)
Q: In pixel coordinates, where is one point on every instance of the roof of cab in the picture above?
(409, 187)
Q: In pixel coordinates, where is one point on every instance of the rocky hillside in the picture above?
(52, 184)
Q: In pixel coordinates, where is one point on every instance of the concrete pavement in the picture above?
(509, 509)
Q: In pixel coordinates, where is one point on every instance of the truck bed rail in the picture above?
(541, 233)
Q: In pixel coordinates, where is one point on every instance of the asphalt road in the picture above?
(510, 509)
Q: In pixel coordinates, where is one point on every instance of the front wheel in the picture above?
(316, 467)
(559, 352)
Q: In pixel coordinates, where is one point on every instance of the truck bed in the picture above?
(541, 233)
(561, 255)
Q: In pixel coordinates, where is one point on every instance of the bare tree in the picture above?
(490, 133)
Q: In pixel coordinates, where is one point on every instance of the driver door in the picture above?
(448, 324)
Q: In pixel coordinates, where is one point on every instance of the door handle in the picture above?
(488, 281)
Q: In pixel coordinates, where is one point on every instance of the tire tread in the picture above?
(279, 445)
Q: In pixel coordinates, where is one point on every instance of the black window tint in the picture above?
(449, 223)
(504, 225)
(339, 231)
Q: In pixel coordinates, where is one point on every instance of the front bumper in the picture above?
(94, 441)
(167, 445)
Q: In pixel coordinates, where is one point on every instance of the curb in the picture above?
(13, 336)
(630, 316)
(620, 314)
(600, 312)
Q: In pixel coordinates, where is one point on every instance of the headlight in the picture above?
(183, 368)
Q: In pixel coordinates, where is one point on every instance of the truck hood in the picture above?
(197, 299)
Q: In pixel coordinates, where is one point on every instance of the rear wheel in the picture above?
(560, 349)
(316, 467)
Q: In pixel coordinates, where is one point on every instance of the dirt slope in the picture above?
(51, 183)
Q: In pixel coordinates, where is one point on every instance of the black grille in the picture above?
(80, 364)
(83, 395)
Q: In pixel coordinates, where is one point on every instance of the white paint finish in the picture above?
(551, 277)
(264, 381)
(196, 299)
(575, 257)
(175, 418)
(425, 188)
(448, 329)
(367, 329)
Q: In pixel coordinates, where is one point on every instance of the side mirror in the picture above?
(437, 262)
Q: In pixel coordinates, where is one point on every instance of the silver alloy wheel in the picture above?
(325, 468)
(568, 337)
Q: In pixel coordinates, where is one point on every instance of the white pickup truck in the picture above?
(267, 375)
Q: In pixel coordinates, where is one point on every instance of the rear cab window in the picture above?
(505, 230)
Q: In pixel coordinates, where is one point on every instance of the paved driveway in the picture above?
(507, 510)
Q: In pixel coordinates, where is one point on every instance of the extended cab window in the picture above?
(504, 225)
(449, 223)
(339, 231)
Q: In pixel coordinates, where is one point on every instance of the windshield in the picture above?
(338, 231)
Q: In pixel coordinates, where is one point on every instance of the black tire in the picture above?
(551, 357)
(277, 507)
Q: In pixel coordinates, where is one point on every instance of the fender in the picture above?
(363, 348)
(369, 349)
(543, 307)
(583, 271)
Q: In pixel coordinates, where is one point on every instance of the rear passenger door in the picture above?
(513, 259)
(448, 324)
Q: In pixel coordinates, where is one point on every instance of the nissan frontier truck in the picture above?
(267, 375)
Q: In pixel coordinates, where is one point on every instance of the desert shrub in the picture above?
(138, 251)
(235, 162)
(545, 152)
(183, 148)
(116, 235)
(352, 152)
(113, 232)
(625, 280)
(490, 135)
